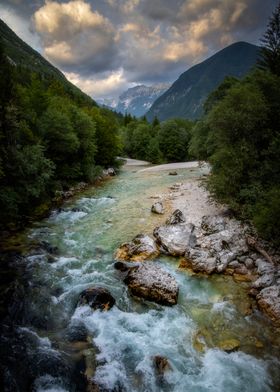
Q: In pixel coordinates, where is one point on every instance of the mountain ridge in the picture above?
(136, 100)
(186, 96)
(19, 53)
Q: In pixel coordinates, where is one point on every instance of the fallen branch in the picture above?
(252, 243)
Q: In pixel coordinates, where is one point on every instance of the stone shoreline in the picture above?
(208, 241)
(225, 245)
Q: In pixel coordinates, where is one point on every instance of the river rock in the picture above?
(213, 224)
(97, 298)
(173, 173)
(264, 280)
(120, 266)
(175, 239)
(176, 217)
(157, 208)
(269, 302)
(200, 261)
(221, 242)
(161, 364)
(142, 247)
(53, 250)
(110, 172)
(229, 345)
(151, 282)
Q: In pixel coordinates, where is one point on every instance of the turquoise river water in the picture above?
(122, 342)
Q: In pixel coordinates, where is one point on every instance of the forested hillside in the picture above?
(240, 136)
(52, 135)
(186, 96)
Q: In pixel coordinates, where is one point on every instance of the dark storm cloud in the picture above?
(105, 45)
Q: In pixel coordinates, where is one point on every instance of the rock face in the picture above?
(109, 172)
(269, 302)
(151, 282)
(140, 248)
(157, 208)
(176, 217)
(222, 247)
(175, 239)
(221, 244)
(97, 298)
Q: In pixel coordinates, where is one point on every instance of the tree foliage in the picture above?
(270, 52)
(50, 138)
(240, 136)
(156, 143)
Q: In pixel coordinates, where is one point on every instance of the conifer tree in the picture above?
(270, 52)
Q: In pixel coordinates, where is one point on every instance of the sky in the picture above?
(107, 46)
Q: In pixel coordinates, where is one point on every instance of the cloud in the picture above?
(110, 84)
(106, 45)
(20, 26)
(75, 37)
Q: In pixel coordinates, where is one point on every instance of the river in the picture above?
(49, 342)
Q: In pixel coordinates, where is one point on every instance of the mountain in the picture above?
(185, 98)
(22, 55)
(136, 100)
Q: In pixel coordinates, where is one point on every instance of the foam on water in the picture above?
(129, 341)
(48, 383)
(220, 372)
(133, 332)
(42, 342)
(68, 216)
(90, 203)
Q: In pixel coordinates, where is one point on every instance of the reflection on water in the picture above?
(211, 313)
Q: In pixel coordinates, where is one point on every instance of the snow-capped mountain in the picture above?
(136, 100)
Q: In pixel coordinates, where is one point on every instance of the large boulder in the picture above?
(142, 247)
(176, 217)
(109, 172)
(200, 261)
(151, 282)
(97, 298)
(157, 208)
(269, 302)
(221, 243)
(175, 239)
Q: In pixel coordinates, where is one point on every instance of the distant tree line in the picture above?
(156, 143)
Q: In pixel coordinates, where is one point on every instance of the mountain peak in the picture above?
(138, 99)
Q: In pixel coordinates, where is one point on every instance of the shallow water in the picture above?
(210, 311)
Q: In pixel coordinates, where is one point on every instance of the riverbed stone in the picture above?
(200, 261)
(269, 302)
(151, 282)
(157, 208)
(264, 280)
(175, 239)
(176, 217)
(161, 364)
(109, 172)
(142, 247)
(97, 298)
(229, 345)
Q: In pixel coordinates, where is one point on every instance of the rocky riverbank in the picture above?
(208, 240)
